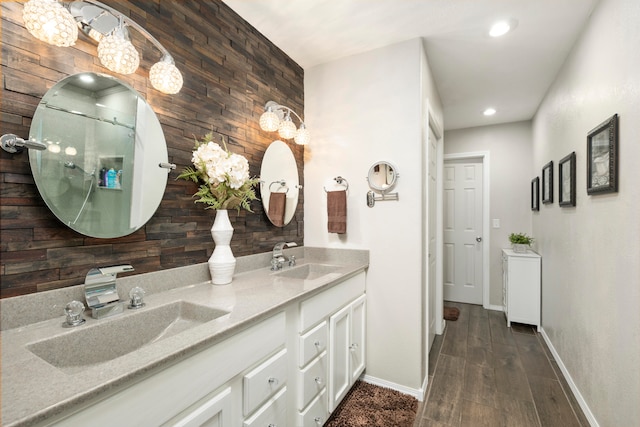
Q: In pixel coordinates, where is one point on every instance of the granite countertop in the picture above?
(34, 390)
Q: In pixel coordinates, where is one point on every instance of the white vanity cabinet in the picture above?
(521, 287)
(331, 350)
(239, 381)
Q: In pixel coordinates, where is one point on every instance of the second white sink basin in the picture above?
(308, 271)
(108, 339)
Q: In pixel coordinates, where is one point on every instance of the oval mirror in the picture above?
(100, 173)
(382, 177)
(279, 186)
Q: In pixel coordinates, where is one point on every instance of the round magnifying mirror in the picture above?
(100, 173)
(382, 177)
(279, 186)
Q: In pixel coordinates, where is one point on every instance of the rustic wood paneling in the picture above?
(230, 71)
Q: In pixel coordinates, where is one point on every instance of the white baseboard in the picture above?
(574, 388)
(495, 307)
(417, 393)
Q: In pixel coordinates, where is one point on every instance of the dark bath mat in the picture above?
(451, 313)
(368, 405)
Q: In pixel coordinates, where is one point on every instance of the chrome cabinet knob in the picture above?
(318, 380)
(353, 347)
(273, 381)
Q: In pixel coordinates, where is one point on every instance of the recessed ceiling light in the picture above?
(87, 78)
(489, 112)
(501, 28)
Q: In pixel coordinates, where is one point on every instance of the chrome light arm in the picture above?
(14, 144)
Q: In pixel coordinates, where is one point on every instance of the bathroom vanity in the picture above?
(272, 348)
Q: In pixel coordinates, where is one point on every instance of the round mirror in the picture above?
(279, 186)
(100, 173)
(382, 177)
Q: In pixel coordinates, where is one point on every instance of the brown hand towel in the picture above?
(337, 211)
(277, 206)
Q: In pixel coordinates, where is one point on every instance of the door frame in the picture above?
(484, 157)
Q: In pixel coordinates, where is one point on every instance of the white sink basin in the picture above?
(108, 339)
(308, 271)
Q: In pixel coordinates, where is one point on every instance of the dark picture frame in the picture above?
(535, 194)
(547, 183)
(602, 157)
(567, 180)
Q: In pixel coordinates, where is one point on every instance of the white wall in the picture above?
(509, 147)
(363, 109)
(591, 253)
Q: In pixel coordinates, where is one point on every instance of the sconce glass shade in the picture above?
(303, 137)
(118, 54)
(287, 128)
(166, 77)
(269, 121)
(50, 22)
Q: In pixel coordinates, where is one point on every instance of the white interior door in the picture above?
(463, 231)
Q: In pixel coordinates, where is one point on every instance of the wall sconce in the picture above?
(58, 24)
(13, 144)
(278, 118)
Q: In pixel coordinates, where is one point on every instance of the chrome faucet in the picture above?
(101, 293)
(278, 256)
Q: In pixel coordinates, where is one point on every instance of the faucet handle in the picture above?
(136, 297)
(276, 264)
(73, 311)
(292, 260)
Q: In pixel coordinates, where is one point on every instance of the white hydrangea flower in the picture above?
(238, 171)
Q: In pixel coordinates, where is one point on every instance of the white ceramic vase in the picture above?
(222, 263)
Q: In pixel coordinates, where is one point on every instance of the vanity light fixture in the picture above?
(57, 23)
(278, 118)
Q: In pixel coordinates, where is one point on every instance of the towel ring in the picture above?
(340, 181)
(282, 183)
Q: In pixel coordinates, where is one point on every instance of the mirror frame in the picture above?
(143, 181)
(372, 179)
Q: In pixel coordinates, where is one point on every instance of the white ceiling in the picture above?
(472, 70)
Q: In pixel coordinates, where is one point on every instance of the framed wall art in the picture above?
(602, 157)
(547, 183)
(535, 194)
(567, 181)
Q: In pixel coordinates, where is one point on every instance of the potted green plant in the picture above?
(520, 241)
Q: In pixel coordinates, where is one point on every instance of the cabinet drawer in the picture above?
(328, 302)
(316, 414)
(272, 414)
(313, 343)
(312, 380)
(263, 381)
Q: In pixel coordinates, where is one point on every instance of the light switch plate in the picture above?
(496, 223)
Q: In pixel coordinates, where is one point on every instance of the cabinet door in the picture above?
(339, 340)
(357, 342)
(213, 412)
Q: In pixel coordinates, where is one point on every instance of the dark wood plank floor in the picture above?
(482, 373)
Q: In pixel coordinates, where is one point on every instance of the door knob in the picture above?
(479, 239)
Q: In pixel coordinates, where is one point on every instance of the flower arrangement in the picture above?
(223, 176)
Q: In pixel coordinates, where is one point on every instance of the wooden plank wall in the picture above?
(230, 71)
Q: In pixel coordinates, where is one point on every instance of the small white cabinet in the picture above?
(347, 349)
(521, 287)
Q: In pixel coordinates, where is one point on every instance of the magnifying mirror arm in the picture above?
(14, 144)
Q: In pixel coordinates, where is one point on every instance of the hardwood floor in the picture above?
(482, 373)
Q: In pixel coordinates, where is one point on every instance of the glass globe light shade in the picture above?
(303, 137)
(287, 128)
(269, 121)
(166, 77)
(118, 54)
(50, 22)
